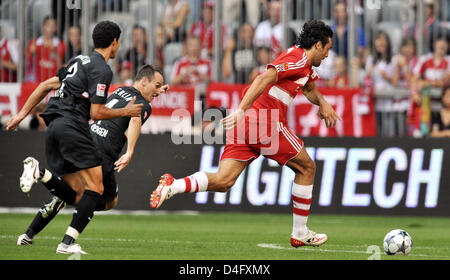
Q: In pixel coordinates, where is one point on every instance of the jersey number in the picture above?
(71, 72)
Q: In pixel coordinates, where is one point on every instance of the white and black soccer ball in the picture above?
(397, 242)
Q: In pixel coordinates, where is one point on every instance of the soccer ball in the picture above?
(397, 242)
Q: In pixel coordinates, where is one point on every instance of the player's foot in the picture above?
(73, 248)
(24, 240)
(163, 191)
(30, 174)
(311, 239)
(56, 204)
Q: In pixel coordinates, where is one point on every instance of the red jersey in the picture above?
(294, 71)
(432, 70)
(206, 34)
(203, 67)
(8, 53)
(43, 62)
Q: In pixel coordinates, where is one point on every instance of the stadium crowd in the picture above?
(252, 39)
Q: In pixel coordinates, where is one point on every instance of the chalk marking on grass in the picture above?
(278, 247)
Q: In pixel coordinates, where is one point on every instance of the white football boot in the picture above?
(73, 248)
(30, 174)
(311, 239)
(24, 240)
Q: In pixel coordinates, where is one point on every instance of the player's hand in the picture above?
(327, 114)
(164, 88)
(134, 110)
(233, 119)
(123, 162)
(13, 122)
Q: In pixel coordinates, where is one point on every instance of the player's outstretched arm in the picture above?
(326, 112)
(101, 112)
(38, 94)
(258, 86)
(134, 130)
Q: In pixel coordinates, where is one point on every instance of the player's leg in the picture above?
(43, 217)
(49, 210)
(290, 151)
(302, 187)
(84, 211)
(222, 181)
(33, 172)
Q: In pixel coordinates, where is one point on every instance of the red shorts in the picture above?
(279, 143)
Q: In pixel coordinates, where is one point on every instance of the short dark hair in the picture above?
(314, 31)
(147, 71)
(104, 34)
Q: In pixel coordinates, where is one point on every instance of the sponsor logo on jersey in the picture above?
(284, 67)
(101, 88)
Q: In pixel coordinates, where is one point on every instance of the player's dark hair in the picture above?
(104, 34)
(314, 31)
(147, 71)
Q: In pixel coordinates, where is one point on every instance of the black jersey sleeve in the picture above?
(146, 112)
(99, 80)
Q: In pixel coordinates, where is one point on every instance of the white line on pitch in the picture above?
(278, 247)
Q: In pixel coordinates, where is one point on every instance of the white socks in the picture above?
(301, 200)
(198, 182)
(47, 176)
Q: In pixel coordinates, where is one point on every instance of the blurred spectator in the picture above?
(192, 69)
(204, 29)
(379, 70)
(433, 69)
(137, 54)
(174, 20)
(160, 43)
(326, 70)
(378, 64)
(239, 57)
(263, 58)
(66, 17)
(440, 125)
(341, 79)
(340, 32)
(46, 53)
(126, 73)
(429, 28)
(9, 57)
(74, 48)
(38, 123)
(241, 11)
(269, 33)
(404, 63)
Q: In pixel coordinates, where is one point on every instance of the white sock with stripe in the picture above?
(198, 182)
(301, 200)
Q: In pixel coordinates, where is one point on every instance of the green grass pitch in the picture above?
(220, 236)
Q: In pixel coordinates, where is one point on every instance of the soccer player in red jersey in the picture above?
(258, 127)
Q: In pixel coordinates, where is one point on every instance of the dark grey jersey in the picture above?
(84, 80)
(109, 135)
